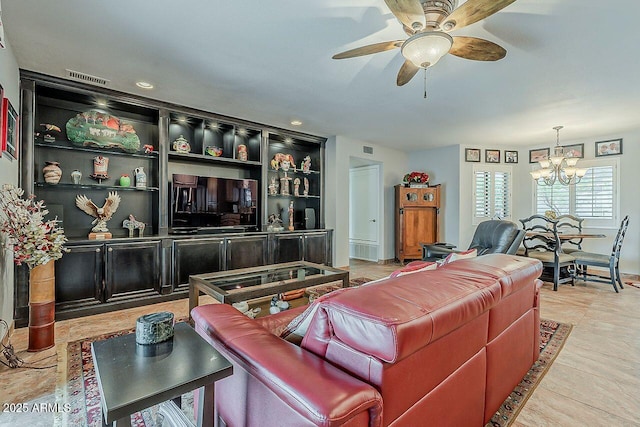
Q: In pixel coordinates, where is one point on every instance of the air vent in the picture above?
(87, 78)
(367, 150)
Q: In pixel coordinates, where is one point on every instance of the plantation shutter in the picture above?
(595, 193)
(554, 197)
(492, 193)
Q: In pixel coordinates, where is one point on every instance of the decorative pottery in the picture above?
(52, 172)
(42, 301)
(100, 167)
(242, 152)
(141, 177)
(213, 151)
(181, 145)
(125, 180)
(296, 187)
(154, 328)
(76, 176)
(97, 129)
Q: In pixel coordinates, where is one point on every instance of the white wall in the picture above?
(443, 166)
(338, 153)
(9, 79)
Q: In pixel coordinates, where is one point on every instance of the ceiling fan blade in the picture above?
(368, 50)
(409, 12)
(476, 49)
(406, 73)
(473, 11)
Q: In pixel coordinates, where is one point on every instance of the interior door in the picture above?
(364, 208)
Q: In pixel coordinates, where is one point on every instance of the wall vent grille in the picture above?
(87, 78)
(367, 150)
(363, 251)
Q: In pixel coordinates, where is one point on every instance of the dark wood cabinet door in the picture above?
(133, 269)
(196, 257)
(79, 275)
(288, 248)
(419, 225)
(243, 252)
(315, 248)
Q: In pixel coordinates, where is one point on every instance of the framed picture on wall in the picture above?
(510, 156)
(9, 129)
(471, 154)
(575, 150)
(492, 156)
(609, 148)
(538, 154)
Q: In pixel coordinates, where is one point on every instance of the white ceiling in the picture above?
(569, 62)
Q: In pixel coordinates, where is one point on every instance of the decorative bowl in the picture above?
(214, 151)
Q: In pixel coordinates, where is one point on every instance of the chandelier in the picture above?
(558, 167)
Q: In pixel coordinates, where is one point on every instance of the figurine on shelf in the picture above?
(242, 153)
(279, 158)
(296, 187)
(274, 223)
(306, 165)
(273, 186)
(291, 215)
(76, 176)
(100, 166)
(306, 187)
(148, 148)
(133, 224)
(101, 215)
(284, 185)
(48, 132)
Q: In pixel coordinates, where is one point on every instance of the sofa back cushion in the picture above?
(392, 319)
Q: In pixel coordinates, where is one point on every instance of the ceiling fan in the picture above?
(427, 23)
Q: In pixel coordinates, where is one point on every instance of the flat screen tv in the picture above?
(203, 202)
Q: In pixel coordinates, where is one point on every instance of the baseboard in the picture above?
(387, 261)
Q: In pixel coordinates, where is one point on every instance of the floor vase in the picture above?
(42, 303)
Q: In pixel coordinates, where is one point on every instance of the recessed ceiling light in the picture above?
(296, 122)
(144, 85)
(101, 103)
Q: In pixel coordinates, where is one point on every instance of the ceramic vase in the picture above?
(52, 172)
(76, 176)
(125, 181)
(42, 301)
(141, 177)
(242, 152)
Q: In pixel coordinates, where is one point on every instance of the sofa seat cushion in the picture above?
(391, 320)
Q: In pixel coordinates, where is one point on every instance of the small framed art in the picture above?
(538, 154)
(510, 156)
(492, 156)
(575, 150)
(609, 148)
(1, 120)
(9, 129)
(471, 154)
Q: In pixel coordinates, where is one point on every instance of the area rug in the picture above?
(358, 281)
(633, 284)
(83, 395)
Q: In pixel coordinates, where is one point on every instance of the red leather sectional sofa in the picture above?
(442, 347)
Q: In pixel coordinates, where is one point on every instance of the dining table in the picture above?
(567, 236)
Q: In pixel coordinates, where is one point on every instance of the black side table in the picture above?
(133, 377)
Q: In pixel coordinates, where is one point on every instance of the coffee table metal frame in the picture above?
(133, 377)
(206, 283)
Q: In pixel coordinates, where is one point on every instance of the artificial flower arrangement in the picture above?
(32, 240)
(416, 177)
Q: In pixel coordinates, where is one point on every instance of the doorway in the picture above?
(364, 210)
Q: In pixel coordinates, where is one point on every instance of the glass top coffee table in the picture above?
(233, 286)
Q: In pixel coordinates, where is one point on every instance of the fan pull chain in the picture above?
(425, 83)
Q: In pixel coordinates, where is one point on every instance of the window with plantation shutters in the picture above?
(491, 192)
(593, 198)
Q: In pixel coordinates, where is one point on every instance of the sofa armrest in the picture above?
(314, 388)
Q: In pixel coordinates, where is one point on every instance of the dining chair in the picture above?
(541, 242)
(590, 259)
(570, 224)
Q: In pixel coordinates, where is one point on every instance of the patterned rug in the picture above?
(634, 284)
(83, 395)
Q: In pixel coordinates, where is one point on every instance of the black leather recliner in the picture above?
(491, 237)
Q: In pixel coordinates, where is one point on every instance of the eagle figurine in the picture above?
(103, 214)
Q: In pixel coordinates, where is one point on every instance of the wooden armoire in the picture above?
(417, 212)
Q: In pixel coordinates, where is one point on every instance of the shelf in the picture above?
(280, 196)
(58, 146)
(93, 187)
(211, 159)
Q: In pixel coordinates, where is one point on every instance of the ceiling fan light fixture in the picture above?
(425, 49)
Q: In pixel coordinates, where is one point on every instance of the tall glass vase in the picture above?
(42, 301)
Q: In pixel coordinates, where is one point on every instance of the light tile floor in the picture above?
(595, 381)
